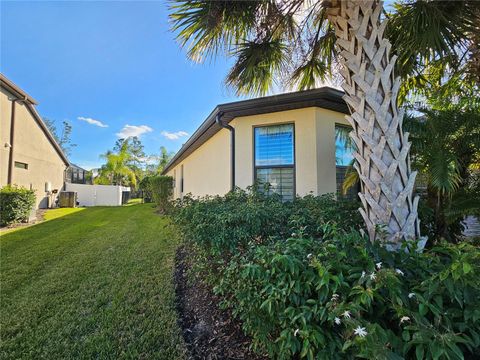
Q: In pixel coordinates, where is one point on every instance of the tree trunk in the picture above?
(371, 90)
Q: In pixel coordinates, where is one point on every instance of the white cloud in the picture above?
(133, 130)
(92, 121)
(174, 135)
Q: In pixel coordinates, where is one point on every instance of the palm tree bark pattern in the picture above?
(371, 89)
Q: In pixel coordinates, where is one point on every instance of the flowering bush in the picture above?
(326, 292)
(344, 297)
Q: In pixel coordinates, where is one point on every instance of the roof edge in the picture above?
(30, 103)
(16, 90)
(329, 97)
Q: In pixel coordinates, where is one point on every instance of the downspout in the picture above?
(12, 139)
(232, 147)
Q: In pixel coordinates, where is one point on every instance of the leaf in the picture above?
(467, 268)
(419, 351)
(422, 309)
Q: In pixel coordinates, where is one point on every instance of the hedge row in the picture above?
(306, 282)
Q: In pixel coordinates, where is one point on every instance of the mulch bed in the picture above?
(39, 217)
(209, 332)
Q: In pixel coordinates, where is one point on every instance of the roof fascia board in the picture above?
(325, 97)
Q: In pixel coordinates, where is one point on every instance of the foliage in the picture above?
(90, 283)
(225, 225)
(161, 190)
(306, 284)
(127, 164)
(136, 152)
(164, 158)
(144, 187)
(344, 297)
(446, 152)
(16, 202)
(292, 42)
(63, 136)
(117, 170)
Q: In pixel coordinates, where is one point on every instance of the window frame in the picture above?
(343, 167)
(20, 165)
(293, 166)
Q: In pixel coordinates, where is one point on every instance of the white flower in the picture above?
(399, 272)
(294, 234)
(346, 314)
(404, 318)
(309, 256)
(363, 275)
(379, 265)
(335, 297)
(360, 331)
(296, 332)
(411, 295)
(373, 276)
(338, 321)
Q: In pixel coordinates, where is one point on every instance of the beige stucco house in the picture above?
(287, 140)
(29, 155)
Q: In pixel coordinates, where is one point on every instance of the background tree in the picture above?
(137, 159)
(298, 42)
(164, 158)
(116, 170)
(446, 151)
(62, 136)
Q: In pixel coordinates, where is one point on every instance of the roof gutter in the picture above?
(232, 148)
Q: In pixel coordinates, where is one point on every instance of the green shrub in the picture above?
(344, 298)
(225, 224)
(144, 187)
(161, 190)
(326, 292)
(15, 204)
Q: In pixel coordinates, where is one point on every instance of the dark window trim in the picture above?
(181, 179)
(294, 165)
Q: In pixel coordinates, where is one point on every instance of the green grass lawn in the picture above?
(91, 283)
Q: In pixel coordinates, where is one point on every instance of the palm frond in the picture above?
(204, 27)
(444, 172)
(351, 179)
(257, 65)
(422, 31)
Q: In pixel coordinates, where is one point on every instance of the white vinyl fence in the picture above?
(97, 195)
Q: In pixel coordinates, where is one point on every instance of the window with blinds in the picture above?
(275, 159)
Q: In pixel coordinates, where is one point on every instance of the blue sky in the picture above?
(113, 62)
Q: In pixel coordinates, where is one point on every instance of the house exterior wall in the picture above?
(32, 147)
(207, 169)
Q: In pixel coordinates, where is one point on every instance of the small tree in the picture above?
(161, 190)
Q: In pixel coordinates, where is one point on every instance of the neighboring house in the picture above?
(29, 154)
(76, 175)
(287, 140)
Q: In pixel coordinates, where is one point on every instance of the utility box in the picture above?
(67, 199)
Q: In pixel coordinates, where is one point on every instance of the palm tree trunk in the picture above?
(371, 90)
